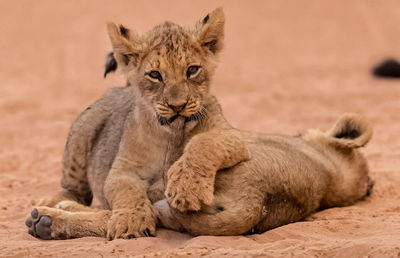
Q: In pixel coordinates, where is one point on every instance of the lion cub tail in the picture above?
(110, 65)
(350, 131)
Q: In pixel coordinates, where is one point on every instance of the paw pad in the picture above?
(39, 226)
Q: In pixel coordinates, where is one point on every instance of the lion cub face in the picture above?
(171, 65)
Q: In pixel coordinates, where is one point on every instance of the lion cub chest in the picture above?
(143, 151)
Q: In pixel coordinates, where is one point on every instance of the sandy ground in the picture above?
(287, 66)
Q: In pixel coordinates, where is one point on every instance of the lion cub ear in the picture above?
(125, 43)
(210, 31)
(350, 131)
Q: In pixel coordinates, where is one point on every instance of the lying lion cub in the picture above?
(164, 133)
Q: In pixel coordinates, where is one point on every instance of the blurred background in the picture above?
(287, 66)
(276, 52)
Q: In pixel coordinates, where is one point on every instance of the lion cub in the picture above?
(160, 152)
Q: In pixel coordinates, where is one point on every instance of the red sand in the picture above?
(287, 66)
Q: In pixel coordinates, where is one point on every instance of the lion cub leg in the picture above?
(74, 181)
(75, 186)
(191, 178)
(51, 223)
(342, 142)
(52, 201)
(73, 206)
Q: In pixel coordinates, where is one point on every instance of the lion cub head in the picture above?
(170, 65)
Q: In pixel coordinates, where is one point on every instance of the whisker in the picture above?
(202, 114)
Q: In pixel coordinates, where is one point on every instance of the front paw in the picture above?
(188, 187)
(131, 223)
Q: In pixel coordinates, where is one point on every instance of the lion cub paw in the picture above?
(131, 223)
(44, 223)
(187, 188)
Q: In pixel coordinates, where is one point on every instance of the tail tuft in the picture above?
(111, 64)
(351, 131)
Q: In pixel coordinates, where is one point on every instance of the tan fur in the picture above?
(166, 132)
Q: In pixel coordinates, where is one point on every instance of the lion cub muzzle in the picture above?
(169, 111)
(164, 121)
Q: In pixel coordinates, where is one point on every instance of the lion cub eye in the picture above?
(155, 75)
(192, 71)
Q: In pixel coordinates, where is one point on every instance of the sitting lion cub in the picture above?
(160, 152)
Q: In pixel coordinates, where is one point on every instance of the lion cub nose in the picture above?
(177, 108)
